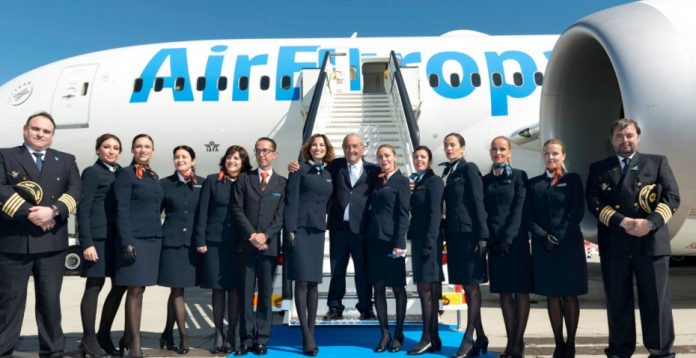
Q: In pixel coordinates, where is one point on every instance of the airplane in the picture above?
(635, 60)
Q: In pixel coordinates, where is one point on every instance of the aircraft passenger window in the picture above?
(454, 80)
(243, 83)
(200, 84)
(497, 79)
(159, 84)
(285, 82)
(179, 84)
(138, 85)
(434, 80)
(85, 86)
(538, 78)
(517, 79)
(475, 79)
(265, 82)
(222, 83)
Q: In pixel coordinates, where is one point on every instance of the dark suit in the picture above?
(424, 229)
(611, 197)
(96, 219)
(309, 191)
(465, 224)
(347, 238)
(26, 250)
(259, 211)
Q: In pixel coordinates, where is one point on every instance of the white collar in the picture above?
(269, 171)
(621, 158)
(32, 151)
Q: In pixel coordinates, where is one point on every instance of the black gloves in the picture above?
(290, 240)
(501, 248)
(551, 243)
(425, 252)
(480, 248)
(128, 254)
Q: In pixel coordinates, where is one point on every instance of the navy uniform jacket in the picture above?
(138, 205)
(214, 218)
(179, 205)
(505, 205)
(389, 210)
(358, 196)
(308, 194)
(426, 212)
(463, 198)
(259, 211)
(556, 210)
(611, 200)
(97, 209)
(61, 184)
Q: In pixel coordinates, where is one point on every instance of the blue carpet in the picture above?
(355, 342)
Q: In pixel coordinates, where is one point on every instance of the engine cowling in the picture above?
(637, 61)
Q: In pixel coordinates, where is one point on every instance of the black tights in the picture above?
(88, 306)
(134, 309)
(381, 305)
(515, 307)
(473, 319)
(176, 312)
(306, 302)
(429, 295)
(564, 308)
(232, 298)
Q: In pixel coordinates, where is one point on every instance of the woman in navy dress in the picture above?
(505, 189)
(555, 207)
(178, 261)
(222, 264)
(96, 229)
(426, 214)
(138, 204)
(466, 234)
(308, 192)
(386, 245)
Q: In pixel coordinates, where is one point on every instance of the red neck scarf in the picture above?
(140, 169)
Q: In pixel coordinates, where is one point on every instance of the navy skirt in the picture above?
(512, 273)
(426, 269)
(177, 267)
(144, 271)
(222, 267)
(464, 265)
(383, 270)
(306, 258)
(106, 265)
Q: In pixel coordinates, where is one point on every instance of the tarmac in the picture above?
(591, 336)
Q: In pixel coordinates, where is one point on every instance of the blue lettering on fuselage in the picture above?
(288, 65)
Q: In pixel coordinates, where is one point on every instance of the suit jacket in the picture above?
(256, 211)
(358, 196)
(504, 199)
(556, 210)
(214, 222)
(61, 185)
(611, 199)
(463, 196)
(179, 205)
(308, 195)
(138, 205)
(97, 209)
(389, 210)
(426, 210)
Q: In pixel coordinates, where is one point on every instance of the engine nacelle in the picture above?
(637, 61)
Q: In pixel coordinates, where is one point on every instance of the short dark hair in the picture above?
(306, 155)
(243, 155)
(106, 136)
(41, 114)
(459, 137)
(186, 148)
(426, 149)
(273, 143)
(622, 123)
(143, 135)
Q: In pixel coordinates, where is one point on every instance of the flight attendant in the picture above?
(555, 207)
(426, 214)
(466, 233)
(222, 267)
(138, 204)
(178, 260)
(386, 245)
(97, 234)
(308, 193)
(510, 270)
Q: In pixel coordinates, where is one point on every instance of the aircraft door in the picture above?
(374, 75)
(70, 106)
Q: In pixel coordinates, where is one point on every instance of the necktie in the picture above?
(448, 167)
(264, 175)
(39, 160)
(384, 177)
(625, 161)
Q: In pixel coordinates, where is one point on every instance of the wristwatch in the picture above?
(651, 225)
(55, 211)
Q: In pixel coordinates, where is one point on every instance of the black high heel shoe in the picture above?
(437, 344)
(90, 348)
(569, 351)
(465, 351)
(183, 346)
(420, 348)
(218, 344)
(396, 343)
(122, 346)
(480, 346)
(558, 351)
(383, 344)
(104, 341)
(168, 341)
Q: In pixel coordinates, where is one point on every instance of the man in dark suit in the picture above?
(353, 182)
(259, 200)
(634, 240)
(39, 188)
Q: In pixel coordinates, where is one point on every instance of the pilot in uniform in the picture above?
(620, 193)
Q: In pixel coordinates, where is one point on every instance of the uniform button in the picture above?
(185, 229)
(185, 211)
(616, 206)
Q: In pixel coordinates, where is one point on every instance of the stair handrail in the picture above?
(322, 81)
(405, 101)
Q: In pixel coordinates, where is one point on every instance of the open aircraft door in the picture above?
(70, 106)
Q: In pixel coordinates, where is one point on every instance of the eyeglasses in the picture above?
(263, 151)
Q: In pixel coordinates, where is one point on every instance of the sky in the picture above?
(34, 33)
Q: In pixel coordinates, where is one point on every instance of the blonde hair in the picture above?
(562, 145)
(509, 145)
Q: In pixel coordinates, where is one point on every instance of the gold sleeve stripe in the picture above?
(664, 211)
(605, 215)
(12, 205)
(69, 201)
